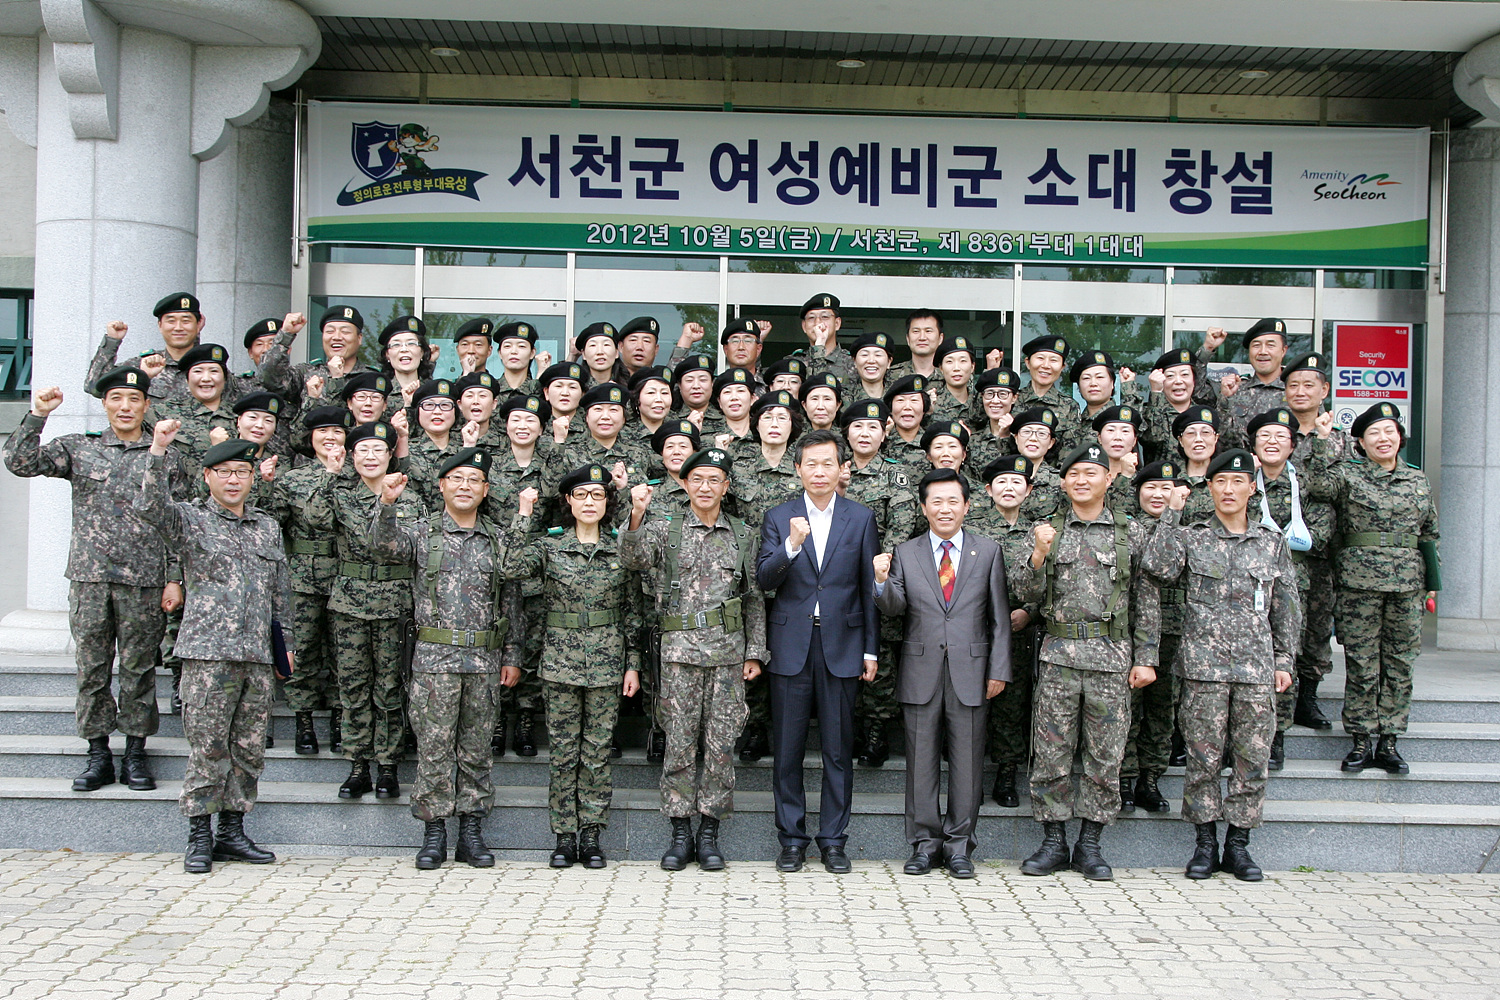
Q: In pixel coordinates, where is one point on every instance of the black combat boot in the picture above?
(270, 733)
(335, 730)
(875, 750)
(358, 782)
(1127, 795)
(434, 845)
(615, 753)
(589, 851)
(231, 843)
(1179, 750)
(135, 771)
(1237, 860)
(1278, 752)
(199, 859)
(177, 690)
(306, 741)
(1307, 713)
(386, 785)
(710, 858)
(680, 850)
(757, 744)
(497, 740)
(1148, 796)
(656, 746)
(100, 770)
(471, 849)
(1387, 757)
(1004, 792)
(565, 854)
(1205, 860)
(1360, 756)
(525, 741)
(1087, 861)
(409, 742)
(1052, 855)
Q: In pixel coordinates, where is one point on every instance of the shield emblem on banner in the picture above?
(374, 150)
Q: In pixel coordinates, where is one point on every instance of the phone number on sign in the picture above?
(810, 239)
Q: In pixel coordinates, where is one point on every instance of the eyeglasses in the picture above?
(706, 480)
(1033, 433)
(436, 406)
(224, 473)
(996, 395)
(465, 480)
(1199, 432)
(742, 340)
(590, 494)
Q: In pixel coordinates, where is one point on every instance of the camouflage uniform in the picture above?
(1083, 691)
(582, 663)
(528, 387)
(985, 447)
(945, 405)
(1315, 658)
(312, 564)
(1010, 711)
(1382, 588)
(1242, 623)
(279, 375)
(421, 464)
(454, 683)
(1070, 430)
(117, 566)
(197, 422)
(702, 688)
(235, 575)
(1255, 397)
(908, 453)
(507, 480)
(1046, 497)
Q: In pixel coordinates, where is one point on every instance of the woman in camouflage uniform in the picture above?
(821, 397)
(434, 404)
(955, 364)
(990, 407)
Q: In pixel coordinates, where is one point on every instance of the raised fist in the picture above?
(527, 500)
(44, 401)
(1157, 379)
(400, 425)
(336, 366)
(994, 357)
(1045, 535)
(543, 361)
(1214, 338)
(294, 323)
(1229, 384)
(619, 475)
(163, 435)
(333, 458)
(153, 365)
(691, 334)
(640, 497)
(218, 435)
(1179, 497)
(882, 567)
(115, 329)
(1323, 424)
(268, 469)
(391, 487)
(470, 434)
(313, 387)
(799, 529)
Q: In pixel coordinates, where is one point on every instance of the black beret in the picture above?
(593, 330)
(433, 387)
(692, 363)
(827, 380)
(476, 380)
(1046, 342)
(327, 416)
(516, 331)
(1173, 358)
(1016, 465)
(1194, 415)
(603, 394)
(956, 344)
(1091, 359)
(910, 385)
(124, 377)
(733, 376)
(177, 302)
(780, 398)
(342, 314)
(790, 365)
(1280, 417)
(823, 300)
(479, 327)
(948, 428)
(865, 409)
(997, 378)
(1380, 411)
(267, 327)
(1233, 460)
(650, 373)
(267, 402)
(563, 370)
(230, 451)
(1088, 454)
(402, 324)
(205, 354)
(534, 405)
(377, 430)
(1263, 327)
(737, 326)
(365, 382)
(583, 476)
(470, 458)
(676, 428)
(716, 458)
(1310, 362)
(1167, 470)
(641, 324)
(1122, 414)
(1036, 415)
(872, 338)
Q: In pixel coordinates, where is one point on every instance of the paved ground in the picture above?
(135, 926)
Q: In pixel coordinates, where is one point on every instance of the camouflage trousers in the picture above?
(110, 620)
(453, 716)
(226, 708)
(876, 704)
(700, 707)
(1087, 709)
(1315, 654)
(314, 684)
(526, 696)
(1010, 710)
(367, 653)
(1382, 634)
(1153, 713)
(1242, 719)
(580, 728)
(168, 648)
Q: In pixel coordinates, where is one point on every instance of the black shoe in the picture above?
(409, 742)
(434, 845)
(710, 857)
(358, 782)
(386, 785)
(920, 863)
(565, 854)
(1127, 795)
(757, 744)
(1148, 796)
(680, 851)
(615, 753)
(270, 733)
(836, 861)
(231, 844)
(1278, 752)
(1236, 860)
(1087, 860)
(1179, 750)
(959, 866)
(1052, 855)
(656, 746)
(100, 770)
(497, 741)
(177, 691)
(1004, 792)
(876, 750)
(1360, 756)
(589, 851)
(199, 859)
(1387, 757)
(1307, 713)
(1205, 860)
(306, 741)
(471, 849)
(525, 741)
(335, 730)
(791, 859)
(134, 769)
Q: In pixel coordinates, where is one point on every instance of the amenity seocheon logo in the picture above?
(1341, 185)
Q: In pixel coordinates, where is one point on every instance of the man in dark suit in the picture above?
(817, 553)
(950, 585)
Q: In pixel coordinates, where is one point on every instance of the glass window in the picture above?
(1133, 341)
(351, 253)
(15, 343)
(377, 313)
(494, 258)
(644, 262)
(670, 317)
(877, 268)
(1241, 276)
(1405, 280)
(1068, 272)
(1232, 352)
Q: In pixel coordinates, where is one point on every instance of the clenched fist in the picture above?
(882, 567)
(391, 487)
(1045, 535)
(44, 401)
(799, 529)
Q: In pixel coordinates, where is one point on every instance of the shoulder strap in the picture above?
(435, 552)
(1049, 567)
(1119, 594)
(673, 589)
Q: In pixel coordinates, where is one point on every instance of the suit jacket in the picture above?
(970, 636)
(843, 589)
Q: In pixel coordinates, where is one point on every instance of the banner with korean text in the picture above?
(858, 186)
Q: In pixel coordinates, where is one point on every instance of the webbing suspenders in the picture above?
(436, 550)
(1117, 609)
(671, 596)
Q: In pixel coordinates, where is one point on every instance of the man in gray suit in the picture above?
(950, 585)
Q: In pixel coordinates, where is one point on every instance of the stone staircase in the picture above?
(1443, 817)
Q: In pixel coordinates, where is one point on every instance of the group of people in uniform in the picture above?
(436, 563)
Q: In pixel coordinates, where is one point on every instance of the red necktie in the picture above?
(946, 575)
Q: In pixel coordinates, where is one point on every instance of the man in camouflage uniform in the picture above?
(121, 576)
(238, 591)
(1265, 343)
(924, 333)
(180, 321)
(713, 625)
(1101, 622)
(821, 319)
(342, 329)
(1239, 639)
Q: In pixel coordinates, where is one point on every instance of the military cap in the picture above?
(650, 373)
(1091, 359)
(342, 314)
(205, 354)
(1088, 454)
(692, 363)
(872, 338)
(716, 458)
(908, 386)
(365, 382)
(1173, 358)
(948, 428)
(733, 376)
(1016, 465)
(124, 377)
(562, 371)
(376, 430)
(265, 402)
(466, 458)
(1233, 460)
(1263, 327)
(534, 405)
(955, 344)
(1310, 362)
(516, 331)
(676, 428)
(1167, 470)
(585, 475)
(593, 330)
(1122, 414)
(780, 398)
(823, 300)
(997, 378)
(1046, 342)
(790, 365)
(865, 409)
(439, 387)
(327, 416)
(1194, 415)
(641, 324)
(478, 327)
(827, 380)
(230, 451)
(1036, 415)
(1378, 412)
(1280, 417)
(402, 324)
(603, 394)
(475, 380)
(738, 326)
(177, 302)
(268, 327)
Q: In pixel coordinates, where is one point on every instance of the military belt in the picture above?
(310, 547)
(1078, 630)
(373, 572)
(587, 619)
(1382, 539)
(727, 614)
(487, 639)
